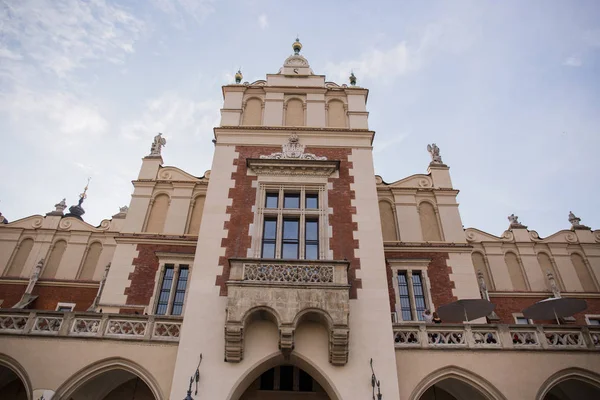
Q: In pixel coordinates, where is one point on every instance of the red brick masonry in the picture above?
(243, 195)
(49, 296)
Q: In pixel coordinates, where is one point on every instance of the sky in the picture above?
(508, 90)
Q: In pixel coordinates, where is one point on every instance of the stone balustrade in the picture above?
(90, 325)
(488, 336)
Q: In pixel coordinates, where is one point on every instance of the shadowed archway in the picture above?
(571, 384)
(455, 383)
(14, 382)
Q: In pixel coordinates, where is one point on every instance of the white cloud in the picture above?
(180, 10)
(263, 22)
(573, 62)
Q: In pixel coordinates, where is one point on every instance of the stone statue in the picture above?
(157, 145)
(60, 207)
(34, 276)
(514, 222)
(123, 209)
(553, 286)
(576, 222)
(483, 290)
(434, 151)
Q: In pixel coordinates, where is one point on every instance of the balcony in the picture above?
(90, 325)
(288, 292)
(496, 337)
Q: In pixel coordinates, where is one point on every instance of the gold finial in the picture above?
(297, 46)
(352, 78)
(83, 195)
(239, 76)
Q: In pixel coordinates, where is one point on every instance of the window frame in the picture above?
(302, 214)
(178, 261)
(409, 267)
(60, 305)
(517, 316)
(595, 317)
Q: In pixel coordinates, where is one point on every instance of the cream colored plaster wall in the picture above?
(273, 115)
(138, 207)
(449, 215)
(315, 109)
(8, 244)
(118, 276)
(567, 271)
(233, 97)
(498, 267)
(408, 216)
(179, 208)
(440, 177)
(517, 375)
(531, 265)
(50, 362)
(73, 257)
(463, 276)
(150, 166)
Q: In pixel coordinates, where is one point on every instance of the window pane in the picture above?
(290, 229)
(268, 250)
(305, 382)
(165, 290)
(180, 291)
(419, 295)
(312, 200)
(311, 249)
(312, 230)
(594, 321)
(286, 378)
(312, 252)
(522, 321)
(290, 250)
(267, 379)
(404, 297)
(270, 229)
(272, 200)
(291, 200)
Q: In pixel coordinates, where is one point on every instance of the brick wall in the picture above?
(49, 296)
(438, 273)
(146, 265)
(506, 306)
(243, 196)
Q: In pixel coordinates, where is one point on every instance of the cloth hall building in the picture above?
(291, 271)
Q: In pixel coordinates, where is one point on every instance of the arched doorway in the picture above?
(111, 379)
(452, 389)
(275, 378)
(455, 383)
(11, 386)
(573, 389)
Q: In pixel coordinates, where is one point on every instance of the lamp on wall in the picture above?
(375, 382)
(196, 378)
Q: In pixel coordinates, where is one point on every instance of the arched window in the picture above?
(294, 113)
(18, 262)
(158, 214)
(252, 112)
(515, 272)
(91, 261)
(480, 265)
(429, 222)
(388, 221)
(583, 273)
(336, 115)
(54, 260)
(196, 217)
(547, 266)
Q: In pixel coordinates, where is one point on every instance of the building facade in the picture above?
(291, 271)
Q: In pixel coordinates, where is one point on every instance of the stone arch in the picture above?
(253, 107)
(276, 359)
(20, 256)
(95, 370)
(389, 226)
(15, 367)
(90, 260)
(430, 225)
(195, 218)
(464, 376)
(316, 315)
(585, 275)
(157, 216)
(261, 313)
(515, 271)
(56, 254)
(564, 375)
(294, 112)
(480, 264)
(336, 114)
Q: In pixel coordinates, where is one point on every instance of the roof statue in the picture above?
(238, 77)
(293, 149)
(352, 79)
(122, 212)
(77, 211)
(576, 222)
(297, 46)
(434, 151)
(157, 145)
(514, 222)
(60, 207)
(3, 220)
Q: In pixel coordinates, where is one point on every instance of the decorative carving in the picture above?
(514, 222)
(483, 290)
(234, 343)
(166, 330)
(508, 236)
(524, 338)
(553, 286)
(571, 237)
(104, 225)
(34, 277)
(534, 235)
(292, 167)
(597, 236)
(338, 346)
(86, 326)
(126, 328)
(288, 273)
(165, 175)
(446, 338)
(564, 339)
(434, 151)
(408, 337)
(486, 338)
(470, 235)
(65, 224)
(47, 325)
(37, 223)
(576, 222)
(157, 145)
(12, 323)
(293, 149)
(286, 341)
(425, 183)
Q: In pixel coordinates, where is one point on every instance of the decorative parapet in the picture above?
(90, 325)
(498, 337)
(287, 291)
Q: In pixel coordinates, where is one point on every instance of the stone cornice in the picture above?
(292, 167)
(51, 282)
(135, 238)
(427, 247)
(289, 129)
(581, 295)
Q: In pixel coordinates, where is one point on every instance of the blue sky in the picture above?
(510, 92)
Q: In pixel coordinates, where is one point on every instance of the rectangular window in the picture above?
(311, 242)
(291, 200)
(180, 290)
(269, 238)
(419, 295)
(65, 307)
(312, 201)
(291, 238)
(405, 306)
(165, 290)
(521, 320)
(272, 200)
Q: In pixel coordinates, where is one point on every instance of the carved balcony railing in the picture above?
(484, 336)
(90, 325)
(286, 291)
